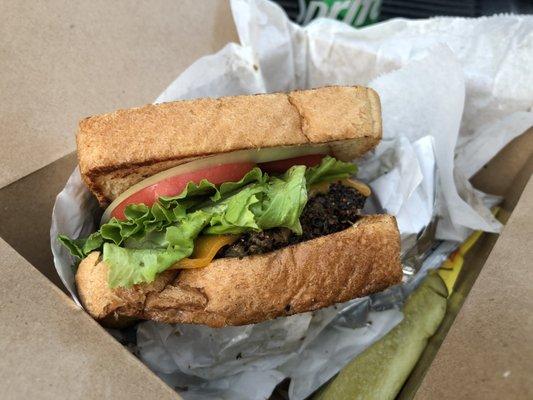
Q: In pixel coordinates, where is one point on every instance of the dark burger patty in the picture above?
(323, 214)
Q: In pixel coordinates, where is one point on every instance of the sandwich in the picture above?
(232, 211)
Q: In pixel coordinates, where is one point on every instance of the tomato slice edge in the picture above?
(174, 185)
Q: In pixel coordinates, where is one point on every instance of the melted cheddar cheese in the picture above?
(205, 249)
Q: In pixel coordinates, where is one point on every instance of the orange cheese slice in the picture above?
(205, 249)
(323, 187)
(361, 187)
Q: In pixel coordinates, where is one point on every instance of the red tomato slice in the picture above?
(281, 166)
(174, 185)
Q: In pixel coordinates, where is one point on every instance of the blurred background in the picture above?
(365, 12)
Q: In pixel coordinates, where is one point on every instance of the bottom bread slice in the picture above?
(355, 262)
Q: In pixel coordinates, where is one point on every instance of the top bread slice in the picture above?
(119, 149)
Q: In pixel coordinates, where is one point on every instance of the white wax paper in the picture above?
(454, 92)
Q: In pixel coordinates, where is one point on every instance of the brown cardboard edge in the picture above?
(507, 175)
(62, 61)
(488, 352)
(447, 368)
(27, 228)
(51, 349)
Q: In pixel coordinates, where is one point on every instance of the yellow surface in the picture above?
(323, 187)
(205, 249)
(450, 269)
(361, 187)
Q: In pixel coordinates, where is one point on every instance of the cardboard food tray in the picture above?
(52, 349)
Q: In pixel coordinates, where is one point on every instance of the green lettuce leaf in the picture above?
(81, 247)
(329, 170)
(285, 199)
(131, 266)
(151, 239)
(233, 214)
(277, 202)
(182, 235)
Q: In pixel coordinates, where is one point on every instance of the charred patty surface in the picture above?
(323, 214)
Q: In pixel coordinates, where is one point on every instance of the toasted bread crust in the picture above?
(358, 261)
(119, 149)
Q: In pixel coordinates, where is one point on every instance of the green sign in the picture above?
(353, 12)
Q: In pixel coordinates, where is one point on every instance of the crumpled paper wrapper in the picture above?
(454, 92)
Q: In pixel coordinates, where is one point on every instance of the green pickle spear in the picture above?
(381, 370)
